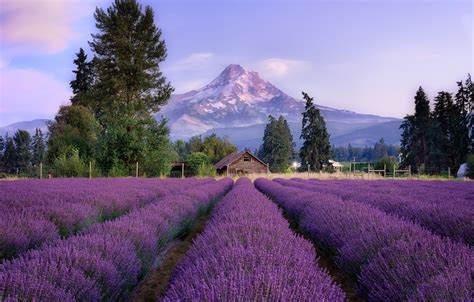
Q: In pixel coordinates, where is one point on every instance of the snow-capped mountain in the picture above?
(237, 104)
(238, 99)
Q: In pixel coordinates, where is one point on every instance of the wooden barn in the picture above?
(240, 163)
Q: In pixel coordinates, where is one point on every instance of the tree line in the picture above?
(278, 147)
(21, 151)
(365, 154)
(440, 137)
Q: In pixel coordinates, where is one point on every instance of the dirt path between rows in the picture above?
(327, 261)
(157, 281)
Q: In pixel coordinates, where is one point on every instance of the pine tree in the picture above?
(421, 121)
(128, 51)
(278, 146)
(444, 116)
(82, 84)
(38, 147)
(22, 140)
(460, 137)
(316, 149)
(9, 155)
(414, 142)
(129, 87)
(380, 150)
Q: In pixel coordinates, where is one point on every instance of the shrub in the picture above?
(206, 170)
(69, 165)
(118, 170)
(388, 162)
(196, 160)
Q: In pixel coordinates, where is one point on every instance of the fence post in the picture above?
(409, 171)
(368, 171)
(41, 170)
(182, 170)
(393, 171)
(449, 173)
(384, 171)
(136, 170)
(90, 170)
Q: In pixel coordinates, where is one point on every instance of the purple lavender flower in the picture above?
(247, 252)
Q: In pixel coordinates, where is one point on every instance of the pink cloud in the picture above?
(45, 25)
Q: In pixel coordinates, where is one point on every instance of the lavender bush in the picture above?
(444, 213)
(248, 253)
(107, 260)
(392, 259)
(34, 212)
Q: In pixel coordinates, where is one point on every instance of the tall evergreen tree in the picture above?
(380, 150)
(9, 155)
(128, 51)
(443, 148)
(460, 136)
(278, 146)
(414, 142)
(38, 147)
(316, 149)
(82, 83)
(129, 87)
(22, 140)
(422, 123)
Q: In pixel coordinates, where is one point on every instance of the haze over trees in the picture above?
(434, 140)
(365, 154)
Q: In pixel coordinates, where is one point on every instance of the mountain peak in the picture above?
(231, 73)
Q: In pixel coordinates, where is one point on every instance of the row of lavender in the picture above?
(35, 212)
(248, 253)
(432, 191)
(108, 260)
(438, 207)
(392, 259)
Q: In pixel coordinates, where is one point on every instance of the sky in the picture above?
(366, 56)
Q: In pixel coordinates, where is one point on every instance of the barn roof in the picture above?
(229, 159)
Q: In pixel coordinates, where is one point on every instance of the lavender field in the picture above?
(102, 239)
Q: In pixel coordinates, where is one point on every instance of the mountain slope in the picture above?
(29, 126)
(239, 101)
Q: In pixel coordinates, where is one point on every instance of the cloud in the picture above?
(281, 67)
(28, 93)
(194, 60)
(45, 26)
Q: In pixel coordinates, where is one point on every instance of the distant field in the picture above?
(203, 239)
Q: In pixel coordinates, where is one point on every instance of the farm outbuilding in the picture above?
(240, 163)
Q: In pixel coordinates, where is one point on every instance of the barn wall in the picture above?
(253, 166)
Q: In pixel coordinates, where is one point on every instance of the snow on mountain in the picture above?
(237, 104)
(241, 98)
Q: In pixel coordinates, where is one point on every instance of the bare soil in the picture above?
(327, 261)
(157, 281)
